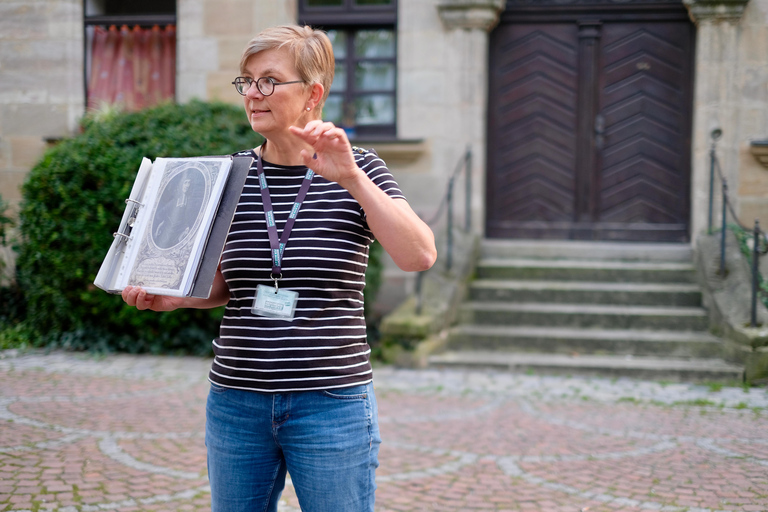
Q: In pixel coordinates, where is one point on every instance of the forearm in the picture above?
(401, 232)
(407, 239)
(138, 297)
(219, 295)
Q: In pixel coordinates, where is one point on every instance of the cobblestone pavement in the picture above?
(125, 433)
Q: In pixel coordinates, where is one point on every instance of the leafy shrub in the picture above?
(72, 203)
(373, 276)
(11, 299)
(5, 222)
(745, 239)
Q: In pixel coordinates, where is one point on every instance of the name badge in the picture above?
(279, 304)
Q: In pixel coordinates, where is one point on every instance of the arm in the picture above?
(407, 239)
(138, 297)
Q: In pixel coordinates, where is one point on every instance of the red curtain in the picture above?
(135, 68)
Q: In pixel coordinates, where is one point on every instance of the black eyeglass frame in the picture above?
(260, 81)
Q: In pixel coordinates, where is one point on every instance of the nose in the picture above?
(253, 91)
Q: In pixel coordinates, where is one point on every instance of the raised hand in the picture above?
(332, 156)
(401, 232)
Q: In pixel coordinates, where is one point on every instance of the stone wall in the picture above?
(753, 119)
(211, 37)
(731, 93)
(41, 82)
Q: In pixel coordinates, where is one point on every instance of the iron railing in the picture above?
(760, 243)
(446, 207)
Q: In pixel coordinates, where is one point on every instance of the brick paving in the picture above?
(125, 433)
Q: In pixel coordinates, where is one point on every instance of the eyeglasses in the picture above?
(265, 84)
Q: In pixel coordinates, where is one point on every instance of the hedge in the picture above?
(5, 223)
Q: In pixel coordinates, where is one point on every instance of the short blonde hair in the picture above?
(311, 50)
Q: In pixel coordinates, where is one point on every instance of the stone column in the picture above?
(716, 101)
(468, 23)
(470, 14)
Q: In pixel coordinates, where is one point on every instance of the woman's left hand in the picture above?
(332, 156)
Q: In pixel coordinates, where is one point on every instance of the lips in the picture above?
(255, 111)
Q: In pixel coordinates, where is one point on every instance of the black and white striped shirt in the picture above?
(325, 345)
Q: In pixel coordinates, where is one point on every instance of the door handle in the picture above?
(599, 131)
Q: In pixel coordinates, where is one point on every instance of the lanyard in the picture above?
(278, 246)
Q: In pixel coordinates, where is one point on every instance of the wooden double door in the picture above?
(590, 126)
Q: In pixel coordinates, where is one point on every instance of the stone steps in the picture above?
(611, 309)
(580, 292)
(578, 270)
(677, 344)
(587, 250)
(614, 366)
(584, 315)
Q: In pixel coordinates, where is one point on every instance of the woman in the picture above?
(291, 383)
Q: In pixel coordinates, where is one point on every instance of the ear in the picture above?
(316, 94)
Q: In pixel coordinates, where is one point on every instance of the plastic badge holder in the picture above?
(273, 303)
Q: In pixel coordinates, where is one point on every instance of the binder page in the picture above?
(180, 205)
(107, 276)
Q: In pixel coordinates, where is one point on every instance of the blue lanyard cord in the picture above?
(278, 246)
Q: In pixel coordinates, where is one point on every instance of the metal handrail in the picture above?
(758, 234)
(446, 204)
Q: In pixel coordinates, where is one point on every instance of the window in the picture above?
(362, 98)
(130, 52)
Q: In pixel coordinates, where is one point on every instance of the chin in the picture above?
(258, 127)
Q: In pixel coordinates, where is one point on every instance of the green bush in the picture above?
(5, 222)
(11, 299)
(72, 203)
(745, 239)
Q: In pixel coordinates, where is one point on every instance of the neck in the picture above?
(283, 150)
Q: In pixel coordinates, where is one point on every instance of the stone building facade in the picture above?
(441, 88)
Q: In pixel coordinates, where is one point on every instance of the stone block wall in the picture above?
(41, 82)
(752, 81)
(732, 94)
(211, 37)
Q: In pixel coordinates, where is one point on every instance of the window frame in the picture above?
(349, 13)
(352, 19)
(105, 20)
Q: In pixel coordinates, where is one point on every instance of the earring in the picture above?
(308, 109)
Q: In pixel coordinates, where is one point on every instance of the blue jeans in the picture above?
(327, 440)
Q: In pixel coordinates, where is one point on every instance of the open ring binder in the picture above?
(176, 219)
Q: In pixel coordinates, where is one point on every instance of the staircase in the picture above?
(592, 308)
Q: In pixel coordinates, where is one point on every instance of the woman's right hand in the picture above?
(139, 298)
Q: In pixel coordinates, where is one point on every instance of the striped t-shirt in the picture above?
(324, 260)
